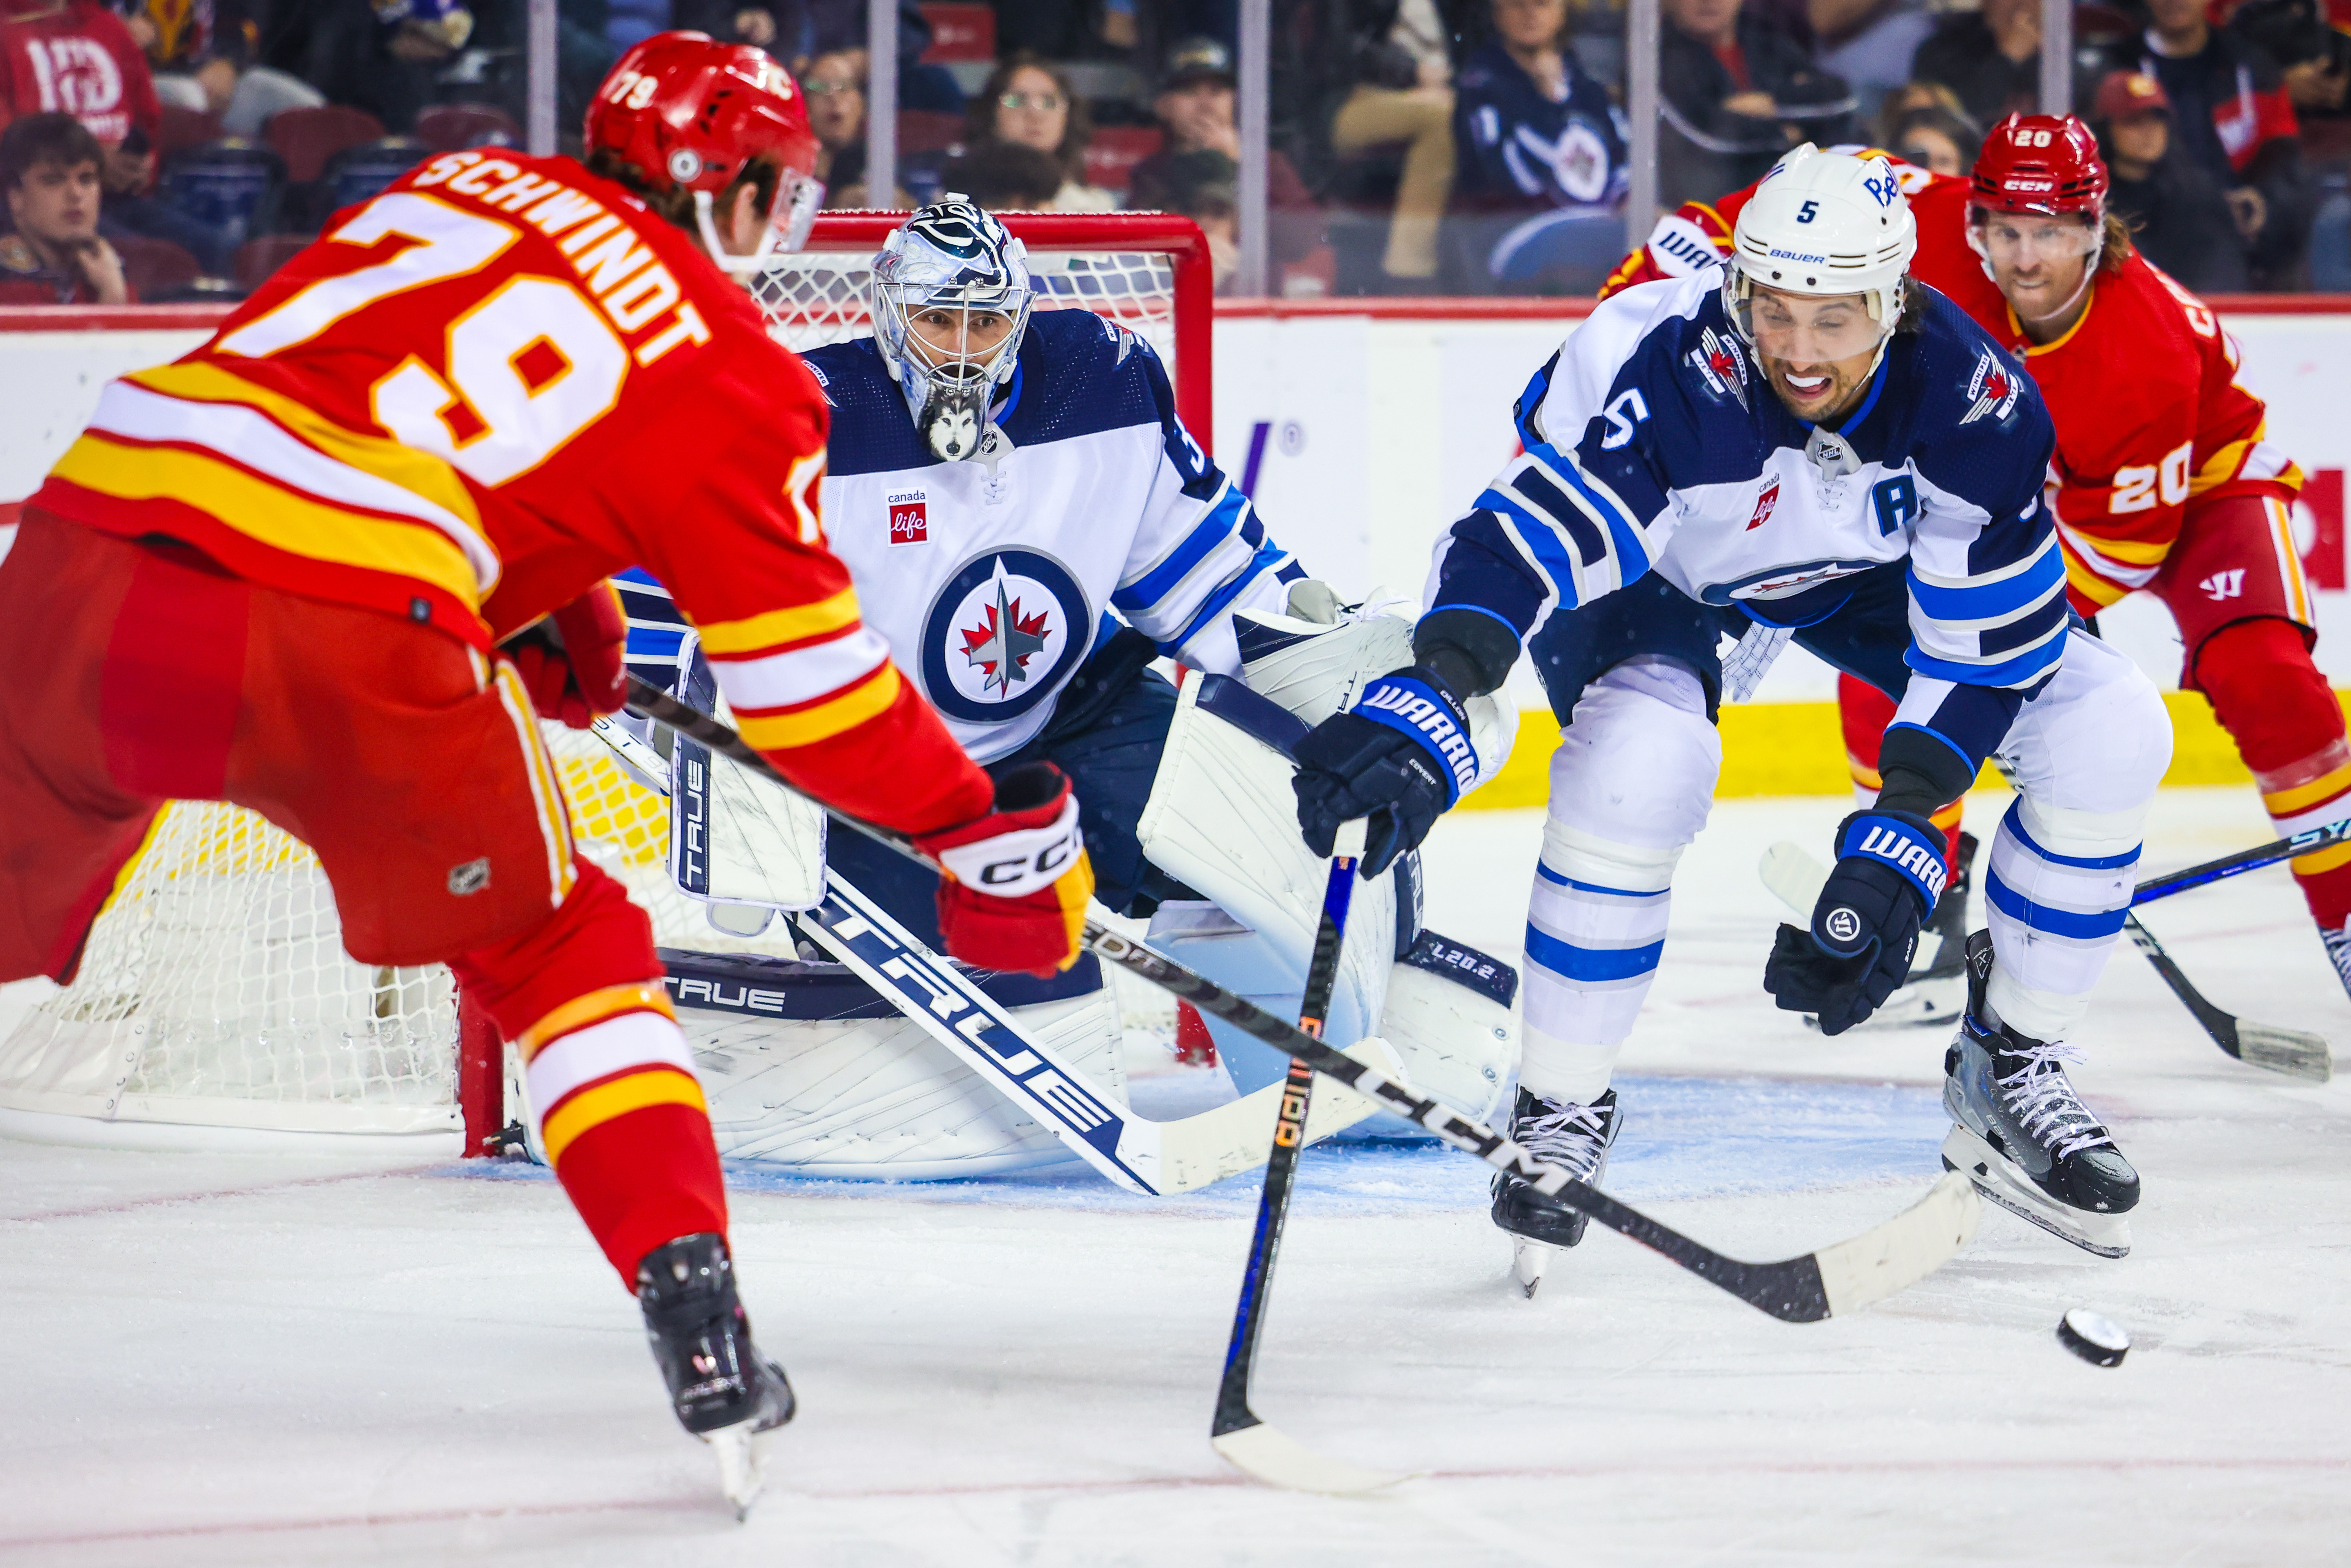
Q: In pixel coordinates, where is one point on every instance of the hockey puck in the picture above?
(2099, 1341)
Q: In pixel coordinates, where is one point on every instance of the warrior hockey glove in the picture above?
(1400, 757)
(1888, 874)
(575, 671)
(1014, 896)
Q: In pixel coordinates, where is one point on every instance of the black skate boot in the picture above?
(2022, 1135)
(722, 1388)
(1575, 1136)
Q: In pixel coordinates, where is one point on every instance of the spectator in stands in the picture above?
(1869, 42)
(1936, 139)
(49, 168)
(2316, 60)
(1398, 66)
(1542, 150)
(1203, 185)
(1908, 96)
(201, 52)
(1990, 57)
(1032, 103)
(381, 60)
(834, 85)
(1195, 106)
(1005, 176)
(797, 32)
(2232, 118)
(1735, 93)
(629, 23)
(2178, 214)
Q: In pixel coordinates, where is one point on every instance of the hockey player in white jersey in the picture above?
(1031, 526)
(1811, 443)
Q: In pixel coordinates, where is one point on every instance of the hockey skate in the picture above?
(723, 1391)
(1575, 1136)
(2022, 1135)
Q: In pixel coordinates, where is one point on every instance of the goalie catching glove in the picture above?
(570, 660)
(1017, 881)
(1889, 873)
(1401, 756)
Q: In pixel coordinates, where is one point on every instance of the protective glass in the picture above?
(2027, 240)
(1803, 329)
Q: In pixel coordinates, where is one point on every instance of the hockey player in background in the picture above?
(2164, 477)
(1807, 439)
(288, 570)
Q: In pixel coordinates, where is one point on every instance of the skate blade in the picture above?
(1266, 1455)
(2292, 1052)
(742, 1470)
(1528, 1259)
(2107, 1235)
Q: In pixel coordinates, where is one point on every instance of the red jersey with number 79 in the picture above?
(494, 384)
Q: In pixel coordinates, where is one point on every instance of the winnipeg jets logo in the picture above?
(1763, 504)
(1992, 390)
(1004, 642)
(2220, 585)
(1721, 365)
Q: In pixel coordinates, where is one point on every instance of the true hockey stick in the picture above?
(1835, 1280)
(1796, 877)
(1236, 1431)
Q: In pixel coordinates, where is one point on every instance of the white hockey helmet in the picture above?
(950, 256)
(1824, 223)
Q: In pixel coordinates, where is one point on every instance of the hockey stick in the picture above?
(1796, 877)
(1236, 1431)
(1835, 1280)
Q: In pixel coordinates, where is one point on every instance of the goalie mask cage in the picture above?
(214, 1005)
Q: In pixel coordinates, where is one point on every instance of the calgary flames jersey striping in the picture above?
(490, 386)
(2143, 390)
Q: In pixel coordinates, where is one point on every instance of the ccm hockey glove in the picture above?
(574, 671)
(1400, 757)
(1888, 874)
(1017, 883)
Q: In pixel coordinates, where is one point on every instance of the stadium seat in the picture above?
(1111, 155)
(257, 260)
(182, 128)
(306, 138)
(356, 173)
(450, 127)
(232, 185)
(927, 131)
(155, 268)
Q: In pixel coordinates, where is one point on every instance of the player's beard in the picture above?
(2047, 297)
(1846, 378)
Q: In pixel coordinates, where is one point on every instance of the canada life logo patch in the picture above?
(910, 518)
(1763, 504)
(1007, 629)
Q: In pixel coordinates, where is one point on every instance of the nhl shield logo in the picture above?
(1003, 635)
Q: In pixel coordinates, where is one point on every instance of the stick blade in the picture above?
(1263, 1454)
(1902, 1251)
(2293, 1052)
(1794, 876)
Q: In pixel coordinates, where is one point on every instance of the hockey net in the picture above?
(214, 1005)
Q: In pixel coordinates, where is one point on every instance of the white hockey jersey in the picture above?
(1088, 504)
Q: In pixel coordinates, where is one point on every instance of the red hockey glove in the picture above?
(577, 673)
(1017, 879)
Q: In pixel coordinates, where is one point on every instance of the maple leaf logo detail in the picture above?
(1995, 386)
(1004, 642)
(1722, 364)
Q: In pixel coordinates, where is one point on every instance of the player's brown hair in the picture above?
(677, 205)
(45, 139)
(2114, 241)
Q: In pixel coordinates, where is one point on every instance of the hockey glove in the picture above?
(1400, 757)
(574, 669)
(1014, 896)
(1888, 874)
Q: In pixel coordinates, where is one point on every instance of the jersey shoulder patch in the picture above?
(1081, 374)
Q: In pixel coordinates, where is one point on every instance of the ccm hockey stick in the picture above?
(947, 1004)
(1238, 1432)
(1790, 872)
(1833, 1280)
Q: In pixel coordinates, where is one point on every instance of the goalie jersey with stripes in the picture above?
(1653, 442)
(1088, 504)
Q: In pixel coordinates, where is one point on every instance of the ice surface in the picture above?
(248, 1360)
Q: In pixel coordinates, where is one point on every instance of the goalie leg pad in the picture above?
(2087, 754)
(1631, 785)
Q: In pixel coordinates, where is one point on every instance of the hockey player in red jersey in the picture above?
(2163, 478)
(289, 570)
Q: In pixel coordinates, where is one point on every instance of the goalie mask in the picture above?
(950, 303)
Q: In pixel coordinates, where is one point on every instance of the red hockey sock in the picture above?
(1864, 712)
(2289, 729)
(611, 1081)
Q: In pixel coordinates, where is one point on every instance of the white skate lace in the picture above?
(1575, 1136)
(2042, 1099)
(2338, 950)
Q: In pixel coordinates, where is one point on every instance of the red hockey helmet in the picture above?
(2041, 164)
(690, 113)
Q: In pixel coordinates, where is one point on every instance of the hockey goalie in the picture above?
(1031, 528)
